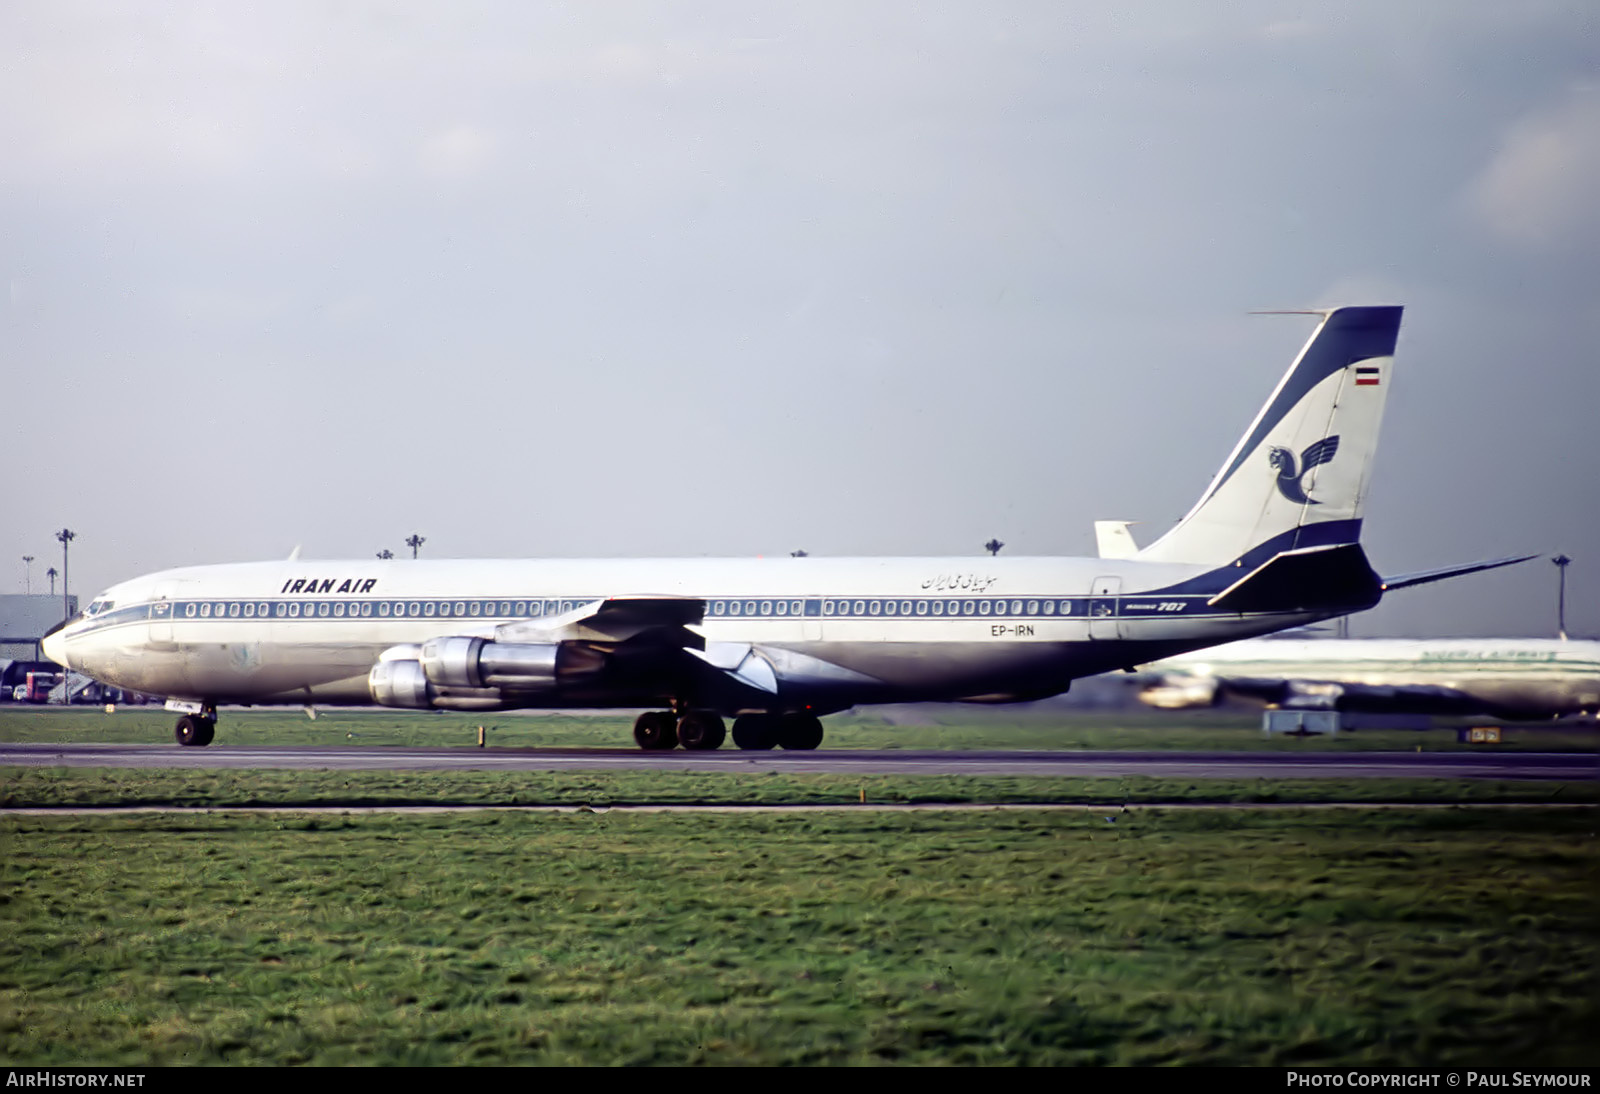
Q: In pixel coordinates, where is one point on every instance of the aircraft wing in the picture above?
(647, 637)
(613, 619)
(1423, 577)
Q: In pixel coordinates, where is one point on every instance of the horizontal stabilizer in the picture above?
(1401, 581)
(1332, 578)
(1114, 540)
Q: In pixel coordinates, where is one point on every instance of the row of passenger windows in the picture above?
(521, 609)
(398, 609)
(892, 607)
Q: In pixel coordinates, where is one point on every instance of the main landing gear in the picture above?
(702, 730)
(195, 730)
(796, 731)
(696, 730)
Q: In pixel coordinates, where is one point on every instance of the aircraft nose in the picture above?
(55, 645)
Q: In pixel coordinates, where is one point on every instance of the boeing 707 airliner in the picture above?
(1273, 542)
(1504, 678)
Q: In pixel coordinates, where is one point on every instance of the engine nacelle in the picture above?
(461, 673)
(452, 662)
(456, 662)
(1180, 694)
(399, 683)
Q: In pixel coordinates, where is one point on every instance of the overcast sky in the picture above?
(696, 279)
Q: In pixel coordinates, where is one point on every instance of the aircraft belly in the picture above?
(328, 672)
(1211, 630)
(1535, 698)
(929, 633)
(950, 670)
(248, 671)
(349, 691)
(158, 672)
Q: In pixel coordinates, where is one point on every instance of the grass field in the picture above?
(1465, 935)
(47, 787)
(932, 727)
(1399, 937)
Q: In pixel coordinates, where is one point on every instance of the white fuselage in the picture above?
(1530, 676)
(903, 629)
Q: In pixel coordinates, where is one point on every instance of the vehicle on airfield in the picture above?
(1273, 542)
(36, 687)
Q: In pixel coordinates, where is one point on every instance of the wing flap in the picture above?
(742, 663)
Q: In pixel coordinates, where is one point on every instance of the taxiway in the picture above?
(1062, 764)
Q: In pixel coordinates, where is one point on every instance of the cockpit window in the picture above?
(99, 607)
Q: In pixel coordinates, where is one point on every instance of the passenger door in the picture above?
(1103, 621)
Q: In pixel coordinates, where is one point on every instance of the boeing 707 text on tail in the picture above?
(1273, 542)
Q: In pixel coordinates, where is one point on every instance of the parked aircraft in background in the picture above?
(1510, 678)
(1273, 542)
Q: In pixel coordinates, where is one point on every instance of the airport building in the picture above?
(24, 621)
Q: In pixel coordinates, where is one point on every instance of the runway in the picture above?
(1054, 764)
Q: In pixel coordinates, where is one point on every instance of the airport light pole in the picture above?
(66, 536)
(415, 542)
(993, 546)
(1561, 563)
(51, 574)
(386, 553)
(27, 574)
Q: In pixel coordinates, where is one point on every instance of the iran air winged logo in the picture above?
(1290, 473)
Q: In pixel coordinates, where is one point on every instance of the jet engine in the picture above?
(1180, 693)
(460, 673)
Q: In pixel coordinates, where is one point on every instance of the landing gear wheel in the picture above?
(655, 731)
(701, 731)
(755, 732)
(802, 732)
(195, 731)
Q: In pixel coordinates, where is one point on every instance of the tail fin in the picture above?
(1298, 477)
